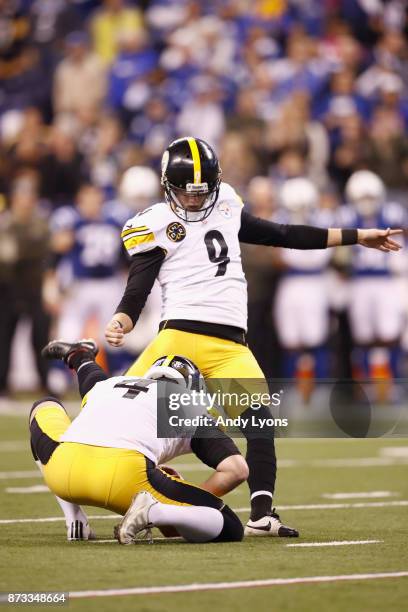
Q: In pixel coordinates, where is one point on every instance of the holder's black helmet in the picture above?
(191, 168)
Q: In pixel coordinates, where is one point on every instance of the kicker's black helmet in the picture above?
(177, 368)
(191, 168)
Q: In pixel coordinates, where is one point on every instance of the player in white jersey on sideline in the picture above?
(109, 456)
(190, 243)
(301, 308)
(376, 304)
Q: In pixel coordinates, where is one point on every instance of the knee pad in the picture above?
(232, 530)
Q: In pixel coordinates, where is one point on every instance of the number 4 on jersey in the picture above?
(133, 388)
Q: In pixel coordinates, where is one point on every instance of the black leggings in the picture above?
(88, 375)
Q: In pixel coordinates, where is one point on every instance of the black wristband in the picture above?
(349, 236)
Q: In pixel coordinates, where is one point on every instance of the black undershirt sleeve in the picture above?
(213, 449)
(143, 271)
(259, 231)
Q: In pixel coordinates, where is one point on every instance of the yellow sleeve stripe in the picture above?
(136, 234)
(196, 160)
(142, 228)
(168, 360)
(136, 240)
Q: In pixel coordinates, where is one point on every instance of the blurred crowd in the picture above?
(283, 89)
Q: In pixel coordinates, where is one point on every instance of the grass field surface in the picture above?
(348, 498)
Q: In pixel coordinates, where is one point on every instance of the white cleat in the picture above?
(135, 525)
(269, 526)
(79, 530)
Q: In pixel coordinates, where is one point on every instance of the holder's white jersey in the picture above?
(121, 412)
(201, 277)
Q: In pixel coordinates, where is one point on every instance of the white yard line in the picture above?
(20, 474)
(56, 519)
(342, 462)
(102, 541)
(53, 519)
(159, 539)
(334, 543)
(356, 462)
(11, 446)
(336, 506)
(28, 490)
(368, 495)
(360, 495)
(283, 463)
(244, 584)
(44, 489)
(394, 451)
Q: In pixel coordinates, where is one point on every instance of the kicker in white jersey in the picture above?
(201, 277)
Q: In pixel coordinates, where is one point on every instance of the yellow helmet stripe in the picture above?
(196, 160)
(168, 360)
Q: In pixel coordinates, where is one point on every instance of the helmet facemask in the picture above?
(192, 191)
(367, 206)
(366, 192)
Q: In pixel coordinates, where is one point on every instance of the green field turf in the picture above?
(36, 556)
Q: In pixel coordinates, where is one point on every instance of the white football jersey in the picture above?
(121, 412)
(201, 277)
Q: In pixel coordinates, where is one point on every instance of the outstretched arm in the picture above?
(260, 231)
(370, 238)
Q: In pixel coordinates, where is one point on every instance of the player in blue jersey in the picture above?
(375, 299)
(303, 324)
(86, 238)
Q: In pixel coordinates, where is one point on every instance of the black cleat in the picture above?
(270, 525)
(58, 349)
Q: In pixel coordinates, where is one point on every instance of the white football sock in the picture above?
(72, 512)
(194, 523)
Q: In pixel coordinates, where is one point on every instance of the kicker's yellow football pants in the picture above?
(102, 476)
(232, 364)
(215, 357)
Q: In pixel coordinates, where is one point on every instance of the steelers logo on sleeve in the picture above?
(176, 232)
